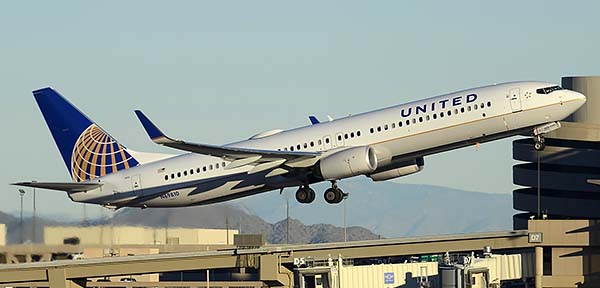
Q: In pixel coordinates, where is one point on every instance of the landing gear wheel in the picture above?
(305, 195)
(539, 146)
(333, 195)
(539, 143)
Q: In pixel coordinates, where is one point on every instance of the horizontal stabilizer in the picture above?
(69, 187)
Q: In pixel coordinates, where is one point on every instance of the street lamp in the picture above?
(21, 193)
(345, 226)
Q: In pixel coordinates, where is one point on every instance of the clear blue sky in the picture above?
(220, 71)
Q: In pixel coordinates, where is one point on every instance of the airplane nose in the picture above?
(578, 96)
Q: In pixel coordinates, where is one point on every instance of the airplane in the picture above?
(383, 144)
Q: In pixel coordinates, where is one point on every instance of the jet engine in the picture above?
(399, 169)
(347, 163)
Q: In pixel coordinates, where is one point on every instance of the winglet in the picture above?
(313, 120)
(153, 132)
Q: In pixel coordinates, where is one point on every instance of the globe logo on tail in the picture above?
(96, 154)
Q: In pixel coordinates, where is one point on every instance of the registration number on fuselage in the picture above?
(170, 194)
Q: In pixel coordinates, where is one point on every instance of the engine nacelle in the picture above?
(416, 166)
(348, 163)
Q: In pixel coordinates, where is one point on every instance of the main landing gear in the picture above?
(332, 195)
(305, 195)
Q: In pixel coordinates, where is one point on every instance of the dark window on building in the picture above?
(547, 259)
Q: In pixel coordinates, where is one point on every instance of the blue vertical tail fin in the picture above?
(87, 150)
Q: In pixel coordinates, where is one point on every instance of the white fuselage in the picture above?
(409, 130)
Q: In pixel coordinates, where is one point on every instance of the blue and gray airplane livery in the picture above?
(383, 144)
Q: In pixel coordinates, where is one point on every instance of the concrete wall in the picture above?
(590, 87)
(136, 235)
(2, 234)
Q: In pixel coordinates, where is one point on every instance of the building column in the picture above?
(539, 266)
(57, 279)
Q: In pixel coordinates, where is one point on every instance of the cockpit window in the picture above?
(548, 90)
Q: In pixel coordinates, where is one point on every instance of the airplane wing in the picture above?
(239, 156)
(69, 187)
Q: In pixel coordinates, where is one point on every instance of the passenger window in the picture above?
(414, 120)
(482, 105)
(285, 149)
(400, 124)
(442, 114)
(385, 127)
(357, 133)
(378, 128)
(223, 164)
(434, 116)
(449, 113)
(312, 144)
(172, 176)
(217, 166)
(305, 145)
(204, 168)
(345, 136)
(291, 148)
(340, 137)
(319, 142)
(407, 122)
(191, 171)
(372, 131)
(166, 177)
(298, 147)
(178, 174)
(427, 117)
(393, 125)
(421, 119)
(469, 108)
(327, 140)
(455, 111)
(462, 109)
(489, 104)
(351, 134)
(185, 173)
(475, 106)
(210, 167)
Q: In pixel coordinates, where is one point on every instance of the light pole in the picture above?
(21, 193)
(345, 226)
(287, 220)
(33, 219)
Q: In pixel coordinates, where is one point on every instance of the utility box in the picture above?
(248, 240)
